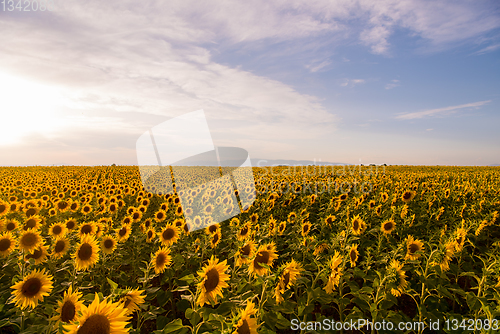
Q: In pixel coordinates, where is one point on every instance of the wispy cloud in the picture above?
(440, 111)
(352, 82)
(394, 83)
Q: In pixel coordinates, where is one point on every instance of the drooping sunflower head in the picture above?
(396, 278)
(444, 255)
(132, 300)
(460, 236)
(335, 274)
(388, 226)
(7, 244)
(414, 248)
(32, 289)
(244, 322)
(161, 259)
(87, 253)
(215, 239)
(169, 235)
(100, 317)
(213, 280)
(265, 256)
(291, 272)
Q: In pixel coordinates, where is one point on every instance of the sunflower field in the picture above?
(89, 250)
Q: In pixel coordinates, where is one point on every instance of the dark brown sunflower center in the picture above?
(30, 223)
(212, 280)
(159, 216)
(68, 311)
(388, 226)
(160, 260)
(245, 250)
(305, 228)
(108, 243)
(355, 225)
(31, 287)
(286, 279)
(86, 208)
(262, 257)
(135, 215)
(59, 246)
(122, 231)
(57, 230)
(11, 226)
(85, 252)
(86, 229)
(70, 225)
(95, 324)
(5, 244)
(244, 231)
(329, 220)
(244, 328)
(407, 195)
(212, 228)
(352, 254)
(413, 248)
(215, 238)
(29, 239)
(36, 255)
(73, 206)
(62, 205)
(150, 234)
(30, 212)
(168, 234)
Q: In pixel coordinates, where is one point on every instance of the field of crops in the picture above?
(88, 250)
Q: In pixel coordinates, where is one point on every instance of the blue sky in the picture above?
(392, 81)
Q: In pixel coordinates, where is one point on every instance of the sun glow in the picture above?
(26, 107)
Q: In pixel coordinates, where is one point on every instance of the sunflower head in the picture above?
(264, 255)
(132, 300)
(7, 244)
(32, 289)
(407, 196)
(396, 278)
(61, 246)
(213, 280)
(244, 322)
(388, 226)
(29, 240)
(108, 244)
(169, 235)
(414, 248)
(87, 253)
(353, 255)
(161, 259)
(358, 226)
(68, 307)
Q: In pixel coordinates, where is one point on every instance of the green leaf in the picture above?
(188, 278)
(173, 326)
(193, 316)
(114, 286)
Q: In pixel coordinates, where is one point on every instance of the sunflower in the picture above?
(353, 255)
(336, 272)
(32, 289)
(34, 222)
(215, 239)
(68, 307)
(266, 254)
(358, 226)
(388, 226)
(290, 274)
(57, 230)
(86, 209)
(306, 227)
(29, 240)
(208, 210)
(282, 227)
(178, 211)
(444, 255)
(413, 248)
(123, 233)
(291, 216)
(169, 235)
(159, 216)
(150, 235)
(246, 323)
(245, 253)
(211, 229)
(213, 280)
(87, 229)
(61, 246)
(100, 317)
(329, 220)
(87, 253)
(396, 278)
(161, 259)
(132, 300)
(11, 225)
(71, 223)
(108, 244)
(407, 196)
(320, 248)
(244, 232)
(459, 237)
(7, 244)
(39, 254)
(197, 223)
(4, 208)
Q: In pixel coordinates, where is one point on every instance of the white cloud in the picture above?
(352, 82)
(440, 111)
(394, 83)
